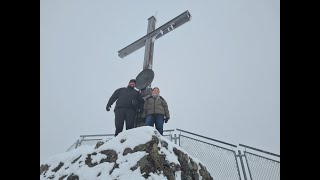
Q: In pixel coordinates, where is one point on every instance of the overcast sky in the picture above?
(219, 72)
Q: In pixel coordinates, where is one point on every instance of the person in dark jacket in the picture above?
(155, 110)
(129, 102)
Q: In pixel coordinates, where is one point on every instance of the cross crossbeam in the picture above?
(155, 34)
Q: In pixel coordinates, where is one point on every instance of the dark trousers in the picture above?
(121, 115)
(139, 121)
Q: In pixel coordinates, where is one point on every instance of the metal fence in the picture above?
(90, 140)
(223, 160)
(93, 139)
(261, 167)
(220, 161)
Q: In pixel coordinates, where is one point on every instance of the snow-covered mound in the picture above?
(140, 153)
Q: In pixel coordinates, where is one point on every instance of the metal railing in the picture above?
(218, 156)
(89, 140)
(262, 165)
(223, 160)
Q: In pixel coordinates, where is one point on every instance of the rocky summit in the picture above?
(140, 153)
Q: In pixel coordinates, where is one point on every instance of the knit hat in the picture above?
(132, 80)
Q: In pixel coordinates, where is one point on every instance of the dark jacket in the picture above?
(155, 106)
(126, 97)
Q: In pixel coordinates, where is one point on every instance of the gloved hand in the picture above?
(108, 108)
(166, 120)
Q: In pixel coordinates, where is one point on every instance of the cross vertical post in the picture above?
(148, 54)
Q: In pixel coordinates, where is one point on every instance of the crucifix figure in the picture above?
(145, 78)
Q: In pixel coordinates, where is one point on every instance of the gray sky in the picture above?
(219, 72)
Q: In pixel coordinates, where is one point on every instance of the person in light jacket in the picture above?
(156, 110)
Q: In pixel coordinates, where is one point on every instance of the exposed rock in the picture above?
(44, 168)
(75, 160)
(204, 173)
(114, 166)
(62, 177)
(127, 151)
(58, 167)
(88, 160)
(73, 177)
(111, 156)
(99, 143)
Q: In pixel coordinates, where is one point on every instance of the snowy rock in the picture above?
(140, 153)
(99, 143)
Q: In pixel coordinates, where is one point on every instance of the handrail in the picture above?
(169, 130)
(96, 135)
(259, 150)
(207, 138)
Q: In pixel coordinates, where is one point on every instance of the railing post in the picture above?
(171, 138)
(242, 166)
(175, 138)
(77, 144)
(247, 164)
